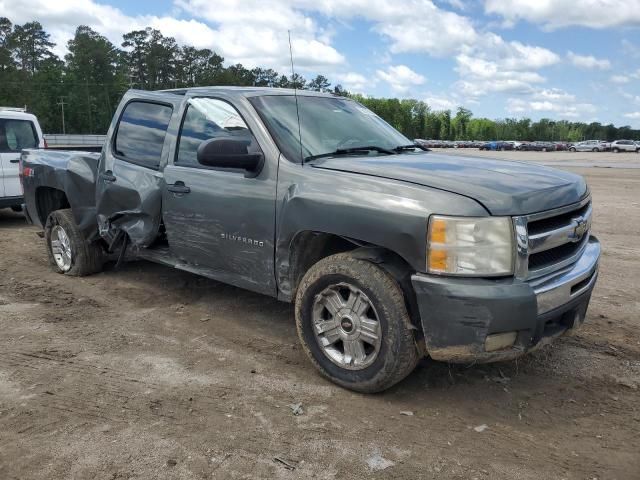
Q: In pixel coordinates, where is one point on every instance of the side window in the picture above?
(16, 135)
(208, 118)
(141, 133)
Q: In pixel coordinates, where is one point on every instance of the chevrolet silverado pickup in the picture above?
(389, 253)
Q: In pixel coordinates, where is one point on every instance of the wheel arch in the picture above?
(49, 199)
(309, 247)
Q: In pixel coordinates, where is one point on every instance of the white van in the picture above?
(18, 130)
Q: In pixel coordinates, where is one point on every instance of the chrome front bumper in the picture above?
(559, 288)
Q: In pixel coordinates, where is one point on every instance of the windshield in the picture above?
(327, 124)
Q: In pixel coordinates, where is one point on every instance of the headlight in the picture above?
(470, 246)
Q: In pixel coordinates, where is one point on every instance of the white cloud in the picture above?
(588, 61)
(401, 78)
(619, 79)
(354, 82)
(439, 102)
(506, 70)
(633, 115)
(250, 32)
(254, 32)
(562, 13)
(630, 96)
(550, 101)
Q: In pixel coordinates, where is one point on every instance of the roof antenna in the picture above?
(295, 94)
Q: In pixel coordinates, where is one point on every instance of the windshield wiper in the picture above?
(346, 151)
(413, 146)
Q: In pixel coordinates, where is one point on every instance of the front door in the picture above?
(220, 222)
(15, 135)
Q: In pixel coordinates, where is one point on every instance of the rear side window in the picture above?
(16, 135)
(141, 133)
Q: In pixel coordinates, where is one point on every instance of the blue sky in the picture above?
(578, 60)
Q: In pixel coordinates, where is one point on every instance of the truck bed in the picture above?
(60, 179)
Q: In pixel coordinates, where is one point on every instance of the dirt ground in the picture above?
(148, 372)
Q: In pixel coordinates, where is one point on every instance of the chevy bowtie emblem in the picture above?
(581, 227)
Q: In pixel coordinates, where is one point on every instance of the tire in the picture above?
(572, 149)
(544, 149)
(396, 354)
(83, 258)
(616, 150)
(16, 208)
(502, 149)
(595, 150)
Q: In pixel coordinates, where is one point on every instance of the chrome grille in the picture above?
(552, 240)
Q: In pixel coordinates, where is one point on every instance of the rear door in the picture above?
(221, 221)
(129, 185)
(15, 135)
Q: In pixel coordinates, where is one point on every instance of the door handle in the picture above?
(14, 160)
(108, 176)
(178, 187)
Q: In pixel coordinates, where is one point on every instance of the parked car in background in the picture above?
(590, 146)
(18, 130)
(538, 147)
(496, 145)
(624, 146)
(561, 146)
(426, 143)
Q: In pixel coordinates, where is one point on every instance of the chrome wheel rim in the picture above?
(61, 248)
(346, 326)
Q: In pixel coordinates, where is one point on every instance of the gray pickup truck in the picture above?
(388, 252)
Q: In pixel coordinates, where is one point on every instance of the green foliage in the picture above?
(95, 73)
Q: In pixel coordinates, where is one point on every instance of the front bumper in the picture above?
(458, 314)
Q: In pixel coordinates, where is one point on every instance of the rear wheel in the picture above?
(616, 150)
(596, 150)
(69, 252)
(353, 324)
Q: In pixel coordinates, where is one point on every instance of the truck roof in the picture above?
(16, 114)
(244, 91)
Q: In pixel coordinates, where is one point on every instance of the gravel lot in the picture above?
(148, 372)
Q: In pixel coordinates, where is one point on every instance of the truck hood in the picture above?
(502, 187)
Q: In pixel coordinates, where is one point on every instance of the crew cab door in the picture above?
(15, 135)
(129, 183)
(220, 222)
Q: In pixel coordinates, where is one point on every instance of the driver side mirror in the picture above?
(229, 153)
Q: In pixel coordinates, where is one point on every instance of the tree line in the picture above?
(92, 77)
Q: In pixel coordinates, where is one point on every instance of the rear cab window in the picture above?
(140, 133)
(16, 135)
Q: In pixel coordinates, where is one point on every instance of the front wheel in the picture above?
(572, 149)
(353, 324)
(596, 150)
(616, 150)
(69, 252)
